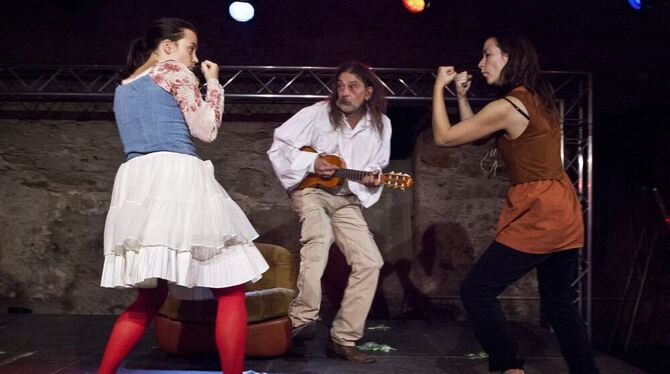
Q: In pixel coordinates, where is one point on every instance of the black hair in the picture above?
(161, 29)
(523, 69)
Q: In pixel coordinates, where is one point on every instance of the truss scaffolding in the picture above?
(90, 88)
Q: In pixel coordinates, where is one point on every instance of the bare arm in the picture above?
(497, 115)
(441, 124)
(462, 82)
(464, 109)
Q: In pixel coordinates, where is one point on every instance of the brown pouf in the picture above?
(187, 327)
(265, 339)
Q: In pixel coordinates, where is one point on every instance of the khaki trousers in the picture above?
(325, 219)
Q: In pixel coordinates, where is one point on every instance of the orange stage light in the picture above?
(414, 6)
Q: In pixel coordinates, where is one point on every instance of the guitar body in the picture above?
(315, 181)
(393, 180)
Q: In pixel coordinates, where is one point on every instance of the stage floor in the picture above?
(66, 344)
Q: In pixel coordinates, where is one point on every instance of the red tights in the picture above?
(230, 330)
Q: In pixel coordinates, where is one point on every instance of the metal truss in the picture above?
(242, 83)
(90, 88)
(574, 91)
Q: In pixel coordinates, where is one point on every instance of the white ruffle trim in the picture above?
(234, 265)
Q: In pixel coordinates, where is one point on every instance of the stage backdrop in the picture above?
(56, 182)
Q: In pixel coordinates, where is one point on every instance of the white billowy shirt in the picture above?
(361, 148)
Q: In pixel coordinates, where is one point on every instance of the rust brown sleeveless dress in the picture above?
(542, 213)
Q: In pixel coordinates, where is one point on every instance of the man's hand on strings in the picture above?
(323, 168)
(372, 179)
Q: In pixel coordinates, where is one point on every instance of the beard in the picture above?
(347, 107)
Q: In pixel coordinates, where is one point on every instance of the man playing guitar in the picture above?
(350, 124)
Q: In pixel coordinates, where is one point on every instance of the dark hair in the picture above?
(377, 103)
(523, 69)
(161, 29)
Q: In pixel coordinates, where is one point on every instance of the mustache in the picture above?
(345, 102)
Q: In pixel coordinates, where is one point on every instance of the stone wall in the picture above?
(56, 183)
(456, 207)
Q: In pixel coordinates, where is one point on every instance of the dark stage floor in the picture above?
(64, 344)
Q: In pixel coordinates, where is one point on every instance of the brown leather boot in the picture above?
(347, 353)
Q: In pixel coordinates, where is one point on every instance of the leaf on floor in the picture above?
(372, 346)
(477, 356)
(379, 327)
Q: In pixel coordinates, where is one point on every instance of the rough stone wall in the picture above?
(456, 207)
(56, 180)
(55, 184)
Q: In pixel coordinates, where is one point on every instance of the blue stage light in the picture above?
(241, 11)
(636, 4)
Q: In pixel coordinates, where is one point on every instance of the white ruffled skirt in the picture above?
(170, 219)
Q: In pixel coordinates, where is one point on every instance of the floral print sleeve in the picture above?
(203, 117)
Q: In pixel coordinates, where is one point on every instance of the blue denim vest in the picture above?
(149, 119)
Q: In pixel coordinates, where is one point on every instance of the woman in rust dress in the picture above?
(541, 225)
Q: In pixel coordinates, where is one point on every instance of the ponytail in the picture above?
(137, 55)
(161, 29)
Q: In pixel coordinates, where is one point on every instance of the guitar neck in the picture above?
(356, 175)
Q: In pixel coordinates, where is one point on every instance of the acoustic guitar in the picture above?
(393, 180)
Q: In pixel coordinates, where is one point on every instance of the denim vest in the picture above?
(149, 119)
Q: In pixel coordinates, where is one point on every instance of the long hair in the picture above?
(376, 106)
(161, 29)
(523, 69)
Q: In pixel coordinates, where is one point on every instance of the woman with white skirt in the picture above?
(170, 225)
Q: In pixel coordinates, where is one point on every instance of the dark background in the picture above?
(626, 50)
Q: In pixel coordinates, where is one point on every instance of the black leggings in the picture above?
(501, 266)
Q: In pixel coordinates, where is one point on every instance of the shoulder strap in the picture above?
(517, 108)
